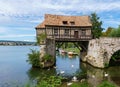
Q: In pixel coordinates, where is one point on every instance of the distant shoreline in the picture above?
(17, 43)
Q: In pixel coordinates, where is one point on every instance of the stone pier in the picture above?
(96, 52)
(50, 47)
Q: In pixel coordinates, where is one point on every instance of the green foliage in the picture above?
(33, 58)
(116, 55)
(115, 32)
(65, 45)
(83, 84)
(41, 38)
(106, 84)
(69, 46)
(48, 57)
(96, 26)
(106, 65)
(27, 85)
(75, 50)
(52, 81)
(75, 85)
(107, 32)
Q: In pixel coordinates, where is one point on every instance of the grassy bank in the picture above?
(75, 50)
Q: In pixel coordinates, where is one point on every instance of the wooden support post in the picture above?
(78, 46)
(59, 44)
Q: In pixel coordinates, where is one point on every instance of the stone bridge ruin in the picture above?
(101, 50)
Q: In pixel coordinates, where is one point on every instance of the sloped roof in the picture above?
(57, 20)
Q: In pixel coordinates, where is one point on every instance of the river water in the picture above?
(14, 70)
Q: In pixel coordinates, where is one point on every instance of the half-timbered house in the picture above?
(66, 28)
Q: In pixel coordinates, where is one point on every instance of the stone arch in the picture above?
(117, 48)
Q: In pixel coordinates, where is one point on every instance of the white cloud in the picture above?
(113, 22)
(23, 8)
(36, 21)
(29, 13)
(34, 10)
(17, 35)
(39, 7)
(4, 30)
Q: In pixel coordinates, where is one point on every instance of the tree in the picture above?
(107, 32)
(96, 26)
(115, 32)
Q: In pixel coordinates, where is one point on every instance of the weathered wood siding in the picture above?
(57, 32)
(40, 31)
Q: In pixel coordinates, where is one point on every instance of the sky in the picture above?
(18, 18)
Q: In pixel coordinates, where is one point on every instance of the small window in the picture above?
(83, 32)
(66, 32)
(55, 31)
(72, 23)
(65, 22)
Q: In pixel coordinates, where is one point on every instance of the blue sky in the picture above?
(18, 18)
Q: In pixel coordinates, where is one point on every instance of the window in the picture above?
(83, 32)
(66, 32)
(65, 22)
(72, 23)
(55, 31)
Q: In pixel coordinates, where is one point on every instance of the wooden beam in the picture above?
(59, 32)
(76, 44)
(52, 32)
(59, 44)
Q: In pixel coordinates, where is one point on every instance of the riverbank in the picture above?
(16, 43)
(72, 50)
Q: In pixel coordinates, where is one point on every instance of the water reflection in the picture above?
(96, 76)
(36, 73)
(70, 67)
(114, 73)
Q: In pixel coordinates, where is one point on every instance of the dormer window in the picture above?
(65, 22)
(72, 23)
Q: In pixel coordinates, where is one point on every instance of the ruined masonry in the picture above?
(101, 50)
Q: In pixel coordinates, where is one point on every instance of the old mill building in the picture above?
(66, 28)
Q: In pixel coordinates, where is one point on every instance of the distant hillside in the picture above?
(16, 43)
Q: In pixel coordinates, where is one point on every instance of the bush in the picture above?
(48, 57)
(106, 84)
(52, 81)
(83, 84)
(34, 58)
(115, 32)
(116, 55)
